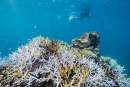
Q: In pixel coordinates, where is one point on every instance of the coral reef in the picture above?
(51, 63)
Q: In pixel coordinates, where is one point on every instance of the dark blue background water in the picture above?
(20, 20)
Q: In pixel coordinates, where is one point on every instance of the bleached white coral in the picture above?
(50, 63)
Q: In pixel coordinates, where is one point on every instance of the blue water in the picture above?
(21, 20)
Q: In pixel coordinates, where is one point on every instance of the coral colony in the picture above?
(51, 63)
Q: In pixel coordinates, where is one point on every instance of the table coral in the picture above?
(52, 63)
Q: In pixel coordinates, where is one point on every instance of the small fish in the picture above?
(72, 17)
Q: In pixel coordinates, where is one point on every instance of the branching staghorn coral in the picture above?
(51, 63)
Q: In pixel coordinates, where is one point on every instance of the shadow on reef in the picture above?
(52, 63)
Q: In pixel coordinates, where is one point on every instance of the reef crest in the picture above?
(52, 63)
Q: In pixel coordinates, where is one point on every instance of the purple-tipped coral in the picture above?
(51, 63)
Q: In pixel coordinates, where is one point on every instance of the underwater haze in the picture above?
(21, 20)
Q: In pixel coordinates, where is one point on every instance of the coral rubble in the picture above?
(51, 63)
